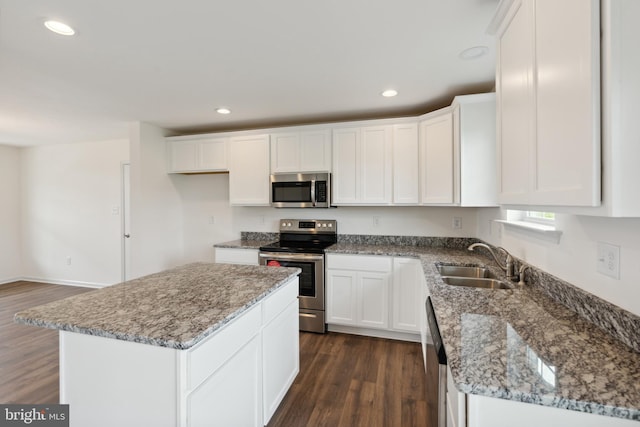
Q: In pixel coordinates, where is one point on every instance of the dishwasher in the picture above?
(436, 372)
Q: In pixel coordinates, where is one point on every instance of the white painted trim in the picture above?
(377, 333)
(65, 282)
(5, 281)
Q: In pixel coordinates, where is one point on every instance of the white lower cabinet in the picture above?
(408, 293)
(374, 293)
(358, 290)
(236, 256)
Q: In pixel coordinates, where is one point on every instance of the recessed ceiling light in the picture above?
(223, 110)
(389, 93)
(59, 28)
(474, 52)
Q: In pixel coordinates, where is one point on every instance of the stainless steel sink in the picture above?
(476, 282)
(463, 271)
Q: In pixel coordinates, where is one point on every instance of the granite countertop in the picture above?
(520, 344)
(517, 344)
(176, 308)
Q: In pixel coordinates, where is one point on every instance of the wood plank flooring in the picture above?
(29, 355)
(345, 380)
(348, 380)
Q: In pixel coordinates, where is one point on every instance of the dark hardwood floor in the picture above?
(344, 380)
(29, 355)
(348, 380)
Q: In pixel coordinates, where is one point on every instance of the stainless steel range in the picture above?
(302, 244)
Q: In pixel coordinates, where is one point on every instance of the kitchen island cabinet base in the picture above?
(236, 376)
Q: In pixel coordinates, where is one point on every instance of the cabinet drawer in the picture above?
(279, 300)
(359, 262)
(205, 358)
(237, 256)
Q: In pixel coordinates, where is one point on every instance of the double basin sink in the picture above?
(474, 277)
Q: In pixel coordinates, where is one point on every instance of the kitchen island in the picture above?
(200, 344)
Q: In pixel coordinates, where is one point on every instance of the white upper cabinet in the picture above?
(308, 151)
(548, 102)
(197, 155)
(474, 137)
(362, 165)
(406, 163)
(249, 170)
(437, 158)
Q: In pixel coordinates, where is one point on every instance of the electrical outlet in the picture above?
(68, 260)
(115, 210)
(212, 220)
(456, 223)
(609, 260)
(376, 221)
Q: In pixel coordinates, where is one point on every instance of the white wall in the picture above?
(156, 210)
(574, 258)
(206, 196)
(10, 241)
(71, 196)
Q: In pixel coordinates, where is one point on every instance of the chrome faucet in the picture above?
(508, 265)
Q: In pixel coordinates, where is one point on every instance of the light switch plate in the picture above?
(609, 260)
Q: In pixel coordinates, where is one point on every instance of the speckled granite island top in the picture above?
(176, 308)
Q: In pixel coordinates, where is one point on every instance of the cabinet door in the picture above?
(183, 156)
(341, 297)
(346, 167)
(566, 155)
(405, 164)
(249, 171)
(280, 355)
(215, 402)
(315, 151)
(285, 152)
(375, 165)
(373, 300)
(408, 297)
(514, 87)
(437, 160)
(212, 155)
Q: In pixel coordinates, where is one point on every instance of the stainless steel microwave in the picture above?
(301, 190)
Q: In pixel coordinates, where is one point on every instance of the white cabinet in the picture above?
(362, 165)
(457, 153)
(474, 138)
(236, 256)
(437, 158)
(358, 290)
(548, 102)
(406, 164)
(249, 170)
(408, 294)
(197, 155)
(456, 404)
(485, 411)
(376, 293)
(307, 151)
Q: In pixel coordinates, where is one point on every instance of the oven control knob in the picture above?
(324, 225)
(288, 224)
(330, 225)
(284, 224)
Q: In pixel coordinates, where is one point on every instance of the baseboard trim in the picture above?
(64, 282)
(15, 279)
(377, 333)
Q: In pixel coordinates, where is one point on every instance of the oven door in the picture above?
(311, 289)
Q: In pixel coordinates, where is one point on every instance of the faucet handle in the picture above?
(521, 273)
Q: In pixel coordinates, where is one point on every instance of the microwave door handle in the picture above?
(313, 192)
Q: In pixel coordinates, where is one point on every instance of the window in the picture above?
(542, 224)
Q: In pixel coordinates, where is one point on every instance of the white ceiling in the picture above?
(172, 63)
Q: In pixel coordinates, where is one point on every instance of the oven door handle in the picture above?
(313, 192)
(291, 257)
